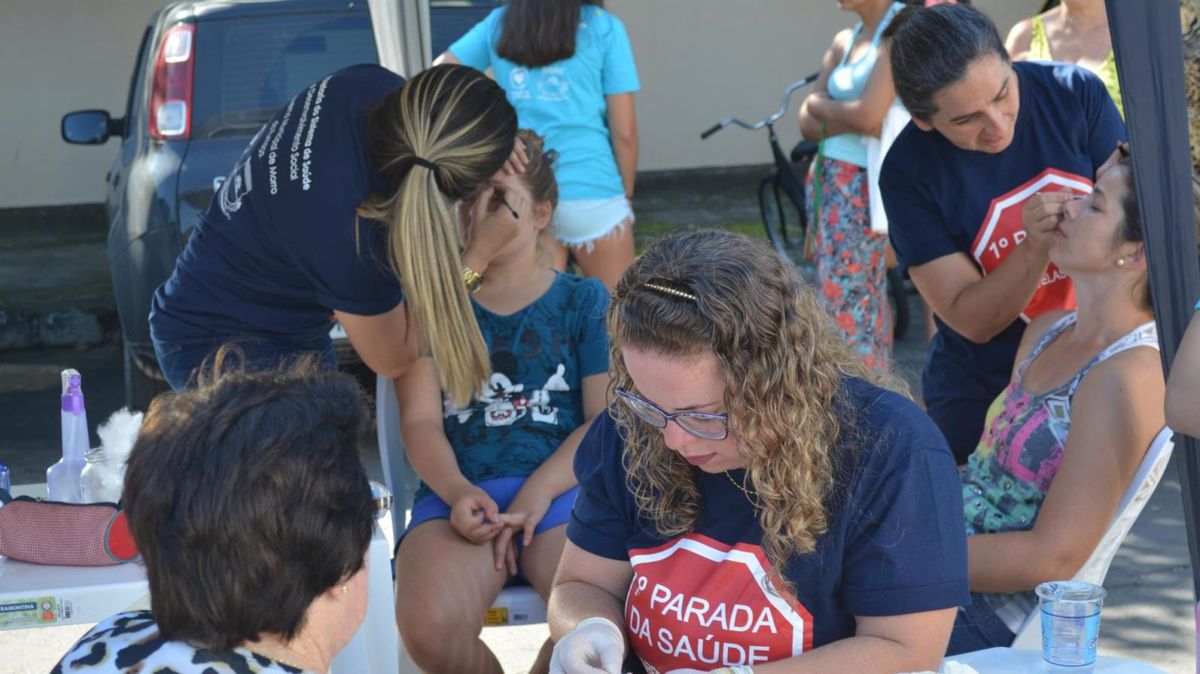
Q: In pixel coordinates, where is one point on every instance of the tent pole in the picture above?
(1147, 41)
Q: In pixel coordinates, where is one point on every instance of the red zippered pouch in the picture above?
(65, 534)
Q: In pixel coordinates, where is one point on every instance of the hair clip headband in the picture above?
(667, 290)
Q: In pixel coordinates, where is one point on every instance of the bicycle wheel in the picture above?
(783, 224)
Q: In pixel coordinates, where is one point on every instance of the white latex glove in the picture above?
(595, 646)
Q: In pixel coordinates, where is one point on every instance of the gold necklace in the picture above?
(750, 493)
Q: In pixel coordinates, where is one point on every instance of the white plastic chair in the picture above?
(517, 604)
(375, 648)
(1141, 487)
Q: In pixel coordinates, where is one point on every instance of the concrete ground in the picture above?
(1149, 614)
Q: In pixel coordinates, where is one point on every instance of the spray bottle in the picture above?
(63, 477)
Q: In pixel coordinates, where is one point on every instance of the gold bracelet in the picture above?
(471, 279)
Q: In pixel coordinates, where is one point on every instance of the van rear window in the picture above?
(249, 67)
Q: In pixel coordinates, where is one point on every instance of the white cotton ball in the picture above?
(118, 434)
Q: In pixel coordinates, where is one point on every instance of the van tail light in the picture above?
(171, 91)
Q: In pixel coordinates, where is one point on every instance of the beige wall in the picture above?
(699, 60)
(57, 56)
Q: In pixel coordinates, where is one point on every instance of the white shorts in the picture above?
(580, 222)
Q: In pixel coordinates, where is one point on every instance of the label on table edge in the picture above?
(35, 612)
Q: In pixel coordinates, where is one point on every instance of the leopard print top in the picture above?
(128, 643)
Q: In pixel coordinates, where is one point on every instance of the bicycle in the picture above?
(784, 186)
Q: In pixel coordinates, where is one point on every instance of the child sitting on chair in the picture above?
(1062, 443)
(497, 479)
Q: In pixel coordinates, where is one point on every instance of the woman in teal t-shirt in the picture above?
(568, 69)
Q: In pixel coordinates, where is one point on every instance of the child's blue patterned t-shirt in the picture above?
(533, 401)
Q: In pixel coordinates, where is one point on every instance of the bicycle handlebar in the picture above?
(770, 119)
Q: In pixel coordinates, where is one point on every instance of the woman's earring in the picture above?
(1120, 262)
(345, 589)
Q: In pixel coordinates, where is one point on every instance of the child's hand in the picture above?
(517, 161)
(475, 516)
(504, 548)
(530, 505)
(504, 545)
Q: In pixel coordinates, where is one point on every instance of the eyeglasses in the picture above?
(703, 425)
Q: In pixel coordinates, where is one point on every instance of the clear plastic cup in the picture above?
(1070, 622)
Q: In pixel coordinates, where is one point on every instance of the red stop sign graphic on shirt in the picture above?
(696, 603)
(1003, 230)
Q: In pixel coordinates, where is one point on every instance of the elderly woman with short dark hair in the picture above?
(253, 514)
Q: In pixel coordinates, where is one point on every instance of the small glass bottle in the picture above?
(102, 478)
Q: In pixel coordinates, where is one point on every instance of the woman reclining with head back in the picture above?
(1065, 438)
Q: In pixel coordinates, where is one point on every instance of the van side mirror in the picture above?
(89, 127)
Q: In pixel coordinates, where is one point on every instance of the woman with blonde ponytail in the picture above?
(752, 501)
(344, 206)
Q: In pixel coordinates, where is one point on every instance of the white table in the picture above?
(1021, 661)
(33, 595)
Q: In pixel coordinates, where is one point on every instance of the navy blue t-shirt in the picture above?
(280, 246)
(895, 545)
(534, 399)
(942, 200)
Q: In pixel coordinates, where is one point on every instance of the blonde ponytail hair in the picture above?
(438, 139)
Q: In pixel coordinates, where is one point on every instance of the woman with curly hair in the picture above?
(752, 500)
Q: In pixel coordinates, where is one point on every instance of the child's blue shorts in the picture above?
(502, 490)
